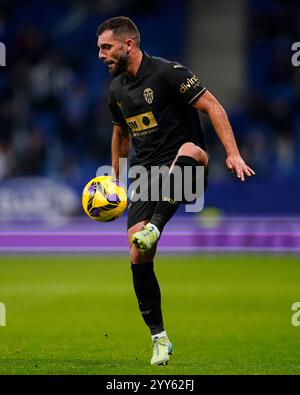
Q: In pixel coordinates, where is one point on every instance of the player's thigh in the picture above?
(189, 148)
(139, 211)
(194, 151)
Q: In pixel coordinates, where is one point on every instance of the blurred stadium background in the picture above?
(55, 126)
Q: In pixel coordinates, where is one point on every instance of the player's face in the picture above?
(112, 52)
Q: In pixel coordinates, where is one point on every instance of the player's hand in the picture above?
(236, 164)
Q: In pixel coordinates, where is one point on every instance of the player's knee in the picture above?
(136, 257)
(192, 150)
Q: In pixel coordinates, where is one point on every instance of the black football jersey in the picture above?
(156, 106)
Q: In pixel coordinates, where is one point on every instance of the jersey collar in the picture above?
(143, 69)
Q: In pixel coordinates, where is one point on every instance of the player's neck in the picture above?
(134, 64)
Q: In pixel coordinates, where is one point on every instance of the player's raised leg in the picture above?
(191, 155)
(149, 297)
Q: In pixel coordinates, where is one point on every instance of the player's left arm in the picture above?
(208, 104)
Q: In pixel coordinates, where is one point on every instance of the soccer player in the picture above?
(154, 103)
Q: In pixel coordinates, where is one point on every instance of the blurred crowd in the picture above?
(269, 115)
(54, 118)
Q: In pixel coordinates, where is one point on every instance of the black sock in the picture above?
(148, 295)
(165, 209)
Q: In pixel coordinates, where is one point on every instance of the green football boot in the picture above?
(162, 349)
(145, 239)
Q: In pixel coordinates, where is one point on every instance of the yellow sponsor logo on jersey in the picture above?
(141, 122)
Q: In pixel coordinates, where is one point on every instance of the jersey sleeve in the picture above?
(116, 114)
(184, 83)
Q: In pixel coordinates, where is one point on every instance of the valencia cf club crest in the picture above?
(148, 95)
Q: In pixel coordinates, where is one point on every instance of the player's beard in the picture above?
(120, 65)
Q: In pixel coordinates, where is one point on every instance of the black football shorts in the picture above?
(139, 210)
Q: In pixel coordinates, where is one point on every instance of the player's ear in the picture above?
(129, 43)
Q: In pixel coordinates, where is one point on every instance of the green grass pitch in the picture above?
(226, 314)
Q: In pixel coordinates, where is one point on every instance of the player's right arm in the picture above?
(119, 147)
(120, 137)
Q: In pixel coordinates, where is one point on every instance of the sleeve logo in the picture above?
(188, 84)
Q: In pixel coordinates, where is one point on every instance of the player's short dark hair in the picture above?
(121, 25)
